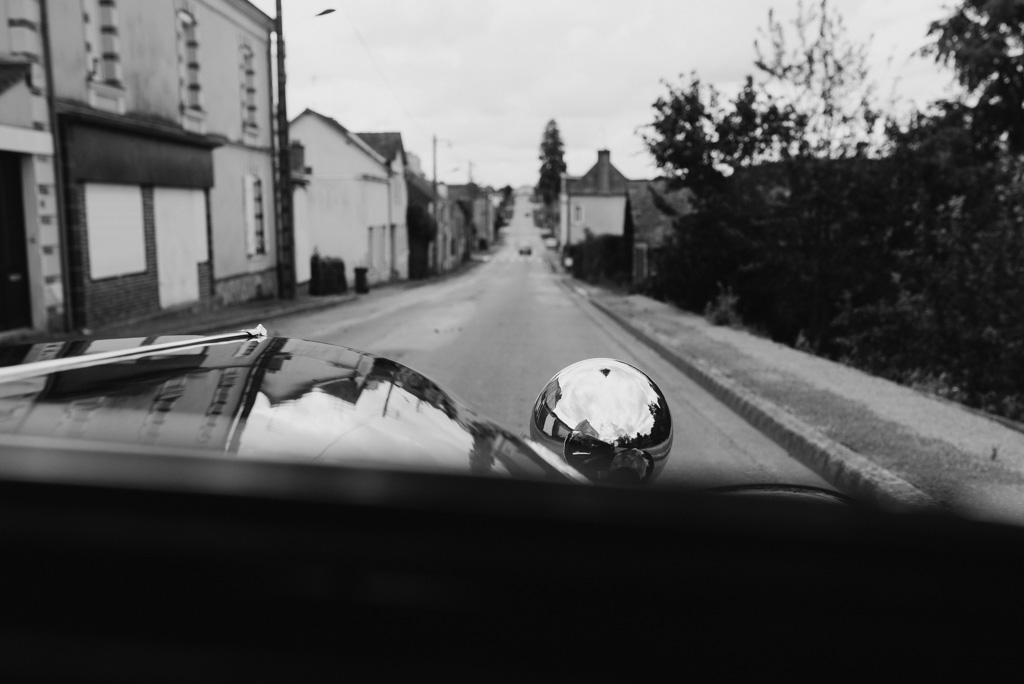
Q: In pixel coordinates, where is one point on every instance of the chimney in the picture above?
(604, 171)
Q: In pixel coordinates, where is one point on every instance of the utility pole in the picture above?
(435, 178)
(437, 234)
(285, 228)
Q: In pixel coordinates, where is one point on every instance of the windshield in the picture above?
(801, 220)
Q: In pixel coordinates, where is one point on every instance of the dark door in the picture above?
(14, 304)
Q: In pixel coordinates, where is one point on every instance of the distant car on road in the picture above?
(525, 250)
(550, 242)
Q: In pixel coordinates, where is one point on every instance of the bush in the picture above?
(603, 259)
(722, 310)
(327, 275)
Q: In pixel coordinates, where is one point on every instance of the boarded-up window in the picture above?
(116, 235)
(252, 199)
(181, 242)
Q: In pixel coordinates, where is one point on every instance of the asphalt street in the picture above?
(494, 335)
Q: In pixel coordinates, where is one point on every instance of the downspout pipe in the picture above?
(58, 173)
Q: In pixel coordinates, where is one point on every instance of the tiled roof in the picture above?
(356, 139)
(653, 207)
(419, 188)
(388, 145)
(589, 183)
(323, 117)
(463, 191)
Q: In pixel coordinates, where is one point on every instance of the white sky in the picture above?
(486, 76)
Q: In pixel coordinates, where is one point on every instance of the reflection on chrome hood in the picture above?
(263, 398)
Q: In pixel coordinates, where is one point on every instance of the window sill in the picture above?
(193, 120)
(107, 97)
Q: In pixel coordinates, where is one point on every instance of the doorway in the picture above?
(15, 311)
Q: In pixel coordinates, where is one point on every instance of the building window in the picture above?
(255, 235)
(188, 56)
(248, 85)
(102, 45)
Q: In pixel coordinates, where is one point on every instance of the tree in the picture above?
(552, 153)
(776, 172)
(820, 85)
(983, 40)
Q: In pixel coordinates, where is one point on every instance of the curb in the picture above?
(850, 472)
(247, 319)
(286, 310)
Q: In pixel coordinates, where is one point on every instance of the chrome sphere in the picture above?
(607, 419)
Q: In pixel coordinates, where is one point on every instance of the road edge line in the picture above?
(850, 472)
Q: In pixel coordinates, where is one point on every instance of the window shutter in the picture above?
(249, 212)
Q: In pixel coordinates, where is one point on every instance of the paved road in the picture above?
(496, 334)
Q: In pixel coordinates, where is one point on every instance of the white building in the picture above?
(31, 271)
(347, 207)
(595, 203)
(165, 110)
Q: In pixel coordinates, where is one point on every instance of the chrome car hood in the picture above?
(254, 397)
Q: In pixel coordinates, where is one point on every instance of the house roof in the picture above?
(463, 191)
(388, 145)
(419, 188)
(356, 140)
(653, 207)
(602, 179)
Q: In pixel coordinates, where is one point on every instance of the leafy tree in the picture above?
(820, 86)
(775, 179)
(983, 40)
(552, 153)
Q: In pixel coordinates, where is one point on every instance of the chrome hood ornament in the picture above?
(607, 419)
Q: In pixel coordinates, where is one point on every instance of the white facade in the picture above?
(31, 270)
(351, 205)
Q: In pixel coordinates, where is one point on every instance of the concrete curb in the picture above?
(848, 471)
(246, 319)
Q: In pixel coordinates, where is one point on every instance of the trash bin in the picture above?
(362, 287)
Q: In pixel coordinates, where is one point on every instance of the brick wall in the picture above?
(121, 298)
(205, 281)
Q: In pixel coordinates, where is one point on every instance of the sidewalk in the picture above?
(209, 319)
(872, 438)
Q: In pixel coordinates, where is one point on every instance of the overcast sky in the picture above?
(485, 76)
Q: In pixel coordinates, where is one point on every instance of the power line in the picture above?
(394, 92)
(383, 76)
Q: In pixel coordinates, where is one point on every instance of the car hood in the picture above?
(260, 398)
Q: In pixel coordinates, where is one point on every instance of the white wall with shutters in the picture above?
(181, 242)
(116, 235)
